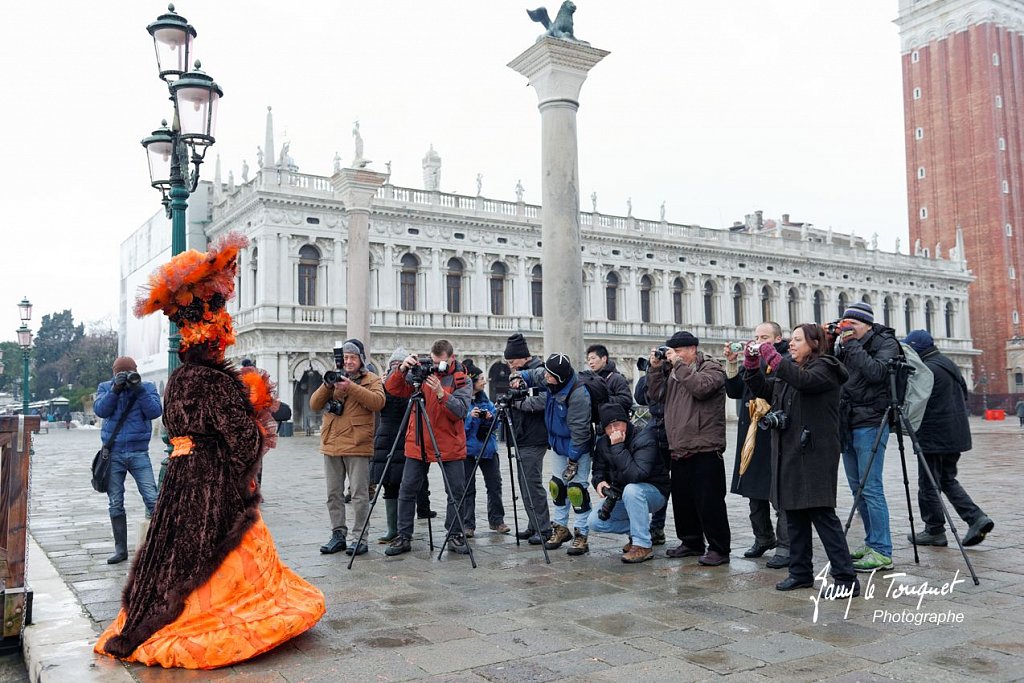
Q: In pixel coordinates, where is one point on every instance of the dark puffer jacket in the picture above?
(138, 426)
(636, 460)
(528, 415)
(945, 428)
(866, 395)
(390, 419)
(618, 385)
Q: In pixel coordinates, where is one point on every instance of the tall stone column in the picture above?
(356, 188)
(557, 68)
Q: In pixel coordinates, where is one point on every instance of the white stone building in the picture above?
(469, 269)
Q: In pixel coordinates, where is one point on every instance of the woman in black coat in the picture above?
(805, 449)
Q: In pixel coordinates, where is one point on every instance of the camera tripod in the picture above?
(902, 426)
(422, 424)
(505, 418)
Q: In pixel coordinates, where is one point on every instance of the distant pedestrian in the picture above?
(1019, 409)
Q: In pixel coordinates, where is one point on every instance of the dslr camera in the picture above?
(333, 376)
(335, 407)
(612, 494)
(513, 395)
(424, 368)
(776, 419)
(659, 352)
(125, 378)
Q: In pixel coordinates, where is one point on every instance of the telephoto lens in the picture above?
(133, 378)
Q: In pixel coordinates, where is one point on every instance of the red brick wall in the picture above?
(965, 169)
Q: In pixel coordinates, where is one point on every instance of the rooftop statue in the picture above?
(561, 27)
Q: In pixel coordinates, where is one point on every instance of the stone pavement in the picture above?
(590, 618)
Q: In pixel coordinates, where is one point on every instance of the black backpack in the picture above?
(598, 390)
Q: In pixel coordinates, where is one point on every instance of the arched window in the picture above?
(407, 282)
(888, 309)
(766, 303)
(453, 285)
(645, 298)
(537, 291)
(309, 263)
(253, 265)
(737, 305)
(929, 315)
(819, 306)
(611, 293)
(908, 315)
(844, 303)
(709, 303)
(793, 306)
(498, 273)
(866, 299)
(678, 290)
(949, 320)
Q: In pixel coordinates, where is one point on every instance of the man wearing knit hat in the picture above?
(349, 402)
(943, 435)
(531, 433)
(692, 388)
(567, 417)
(865, 347)
(128, 406)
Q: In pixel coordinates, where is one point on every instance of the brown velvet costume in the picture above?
(208, 500)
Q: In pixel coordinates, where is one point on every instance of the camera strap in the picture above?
(120, 421)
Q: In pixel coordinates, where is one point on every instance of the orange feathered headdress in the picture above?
(191, 290)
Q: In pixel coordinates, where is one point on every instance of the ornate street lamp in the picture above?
(176, 153)
(25, 342)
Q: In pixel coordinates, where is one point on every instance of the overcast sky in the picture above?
(717, 108)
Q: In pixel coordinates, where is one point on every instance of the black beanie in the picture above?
(516, 347)
(472, 371)
(612, 412)
(682, 339)
(559, 365)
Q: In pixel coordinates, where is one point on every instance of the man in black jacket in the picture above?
(532, 437)
(943, 435)
(865, 348)
(755, 483)
(630, 474)
(656, 425)
(604, 367)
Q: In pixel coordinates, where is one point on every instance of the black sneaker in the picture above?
(457, 544)
(426, 514)
(777, 561)
(357, 549)
(525, 534)
(401, 544)
(976, 534)
(335, 545)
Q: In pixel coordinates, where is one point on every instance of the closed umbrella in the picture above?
(758, 408)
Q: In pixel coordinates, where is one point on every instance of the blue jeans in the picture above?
(631, 514)
(141, 469)
(874, 511)
(561, 512)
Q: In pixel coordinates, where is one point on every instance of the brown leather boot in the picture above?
(636, 555)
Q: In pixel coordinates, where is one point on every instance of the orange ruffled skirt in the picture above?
(251, 604)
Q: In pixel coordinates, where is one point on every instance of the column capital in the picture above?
(357, 186)
(557, 68)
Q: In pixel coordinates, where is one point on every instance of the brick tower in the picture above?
(963, 91)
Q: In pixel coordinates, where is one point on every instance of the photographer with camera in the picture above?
(656, 425)
(447, 394)
(127, 405)
(630, 475)
(349, 395)
(604, 367)
(482, 455)
(943, 435)
(567, 415)
(755, 482)
(692, 388)
(803, 423)
(526, 410)
(865, 347)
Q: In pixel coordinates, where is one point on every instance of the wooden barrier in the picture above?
(15, 450)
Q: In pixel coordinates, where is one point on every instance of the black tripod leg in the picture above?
(421, 409)
(380, 484)
(531, 515)
(906, 487)
(871, 461)
(921, 462)
(447, 487)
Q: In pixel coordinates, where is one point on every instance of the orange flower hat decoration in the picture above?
(191, 290)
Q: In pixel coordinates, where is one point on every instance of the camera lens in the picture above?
(332, 376)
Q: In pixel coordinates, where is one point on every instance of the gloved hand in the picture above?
(570, 471)
(750, 360)
(771, 356)
(120, 382)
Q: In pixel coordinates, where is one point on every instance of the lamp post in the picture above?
(195, 97)
(25, 342)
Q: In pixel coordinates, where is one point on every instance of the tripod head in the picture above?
(898, 364)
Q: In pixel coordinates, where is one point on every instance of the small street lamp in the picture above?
(25, 342)
(171, 150)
